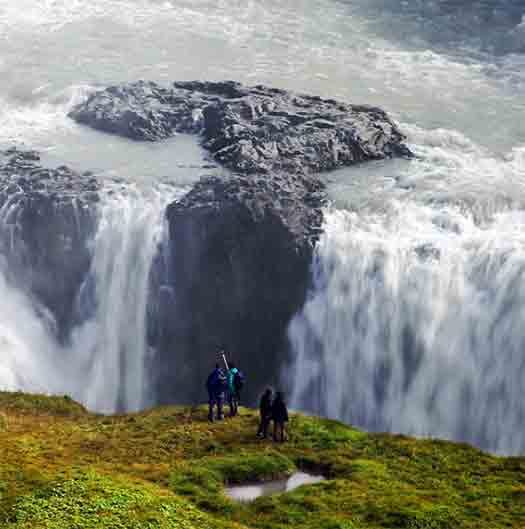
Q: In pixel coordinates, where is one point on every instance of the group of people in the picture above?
(272, 409)
(227, 384)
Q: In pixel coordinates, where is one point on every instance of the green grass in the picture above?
(95, 501)
(63, 467)
(23, 402)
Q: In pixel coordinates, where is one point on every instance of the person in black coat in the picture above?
(216, 384)
(265, 411)
(279, 417)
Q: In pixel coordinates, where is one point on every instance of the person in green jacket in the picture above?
(233, 389)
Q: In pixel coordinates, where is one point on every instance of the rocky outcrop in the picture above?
(241, 255)
(142, 111)
(270, 130)
(248, 129)
(47, 218)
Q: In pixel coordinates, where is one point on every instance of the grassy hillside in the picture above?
(64, 468)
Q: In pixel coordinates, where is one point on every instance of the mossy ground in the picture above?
(62, 467)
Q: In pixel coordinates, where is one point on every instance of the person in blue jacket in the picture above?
(216, 384)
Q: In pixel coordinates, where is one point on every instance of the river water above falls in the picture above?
(414, 319)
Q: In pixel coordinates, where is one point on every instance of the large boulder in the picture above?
(47, 218)
(141, 111)
(273, 130)
(241, 252)
(248, 129)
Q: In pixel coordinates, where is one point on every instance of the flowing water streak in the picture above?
(110, 348)
(24, 338)
(28, 351)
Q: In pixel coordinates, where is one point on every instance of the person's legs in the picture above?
(231, 403)
(276, 426)
(211, 403)
(265, 426)
(236, 403)
(278, 431)
(220, 414)
(261, 427)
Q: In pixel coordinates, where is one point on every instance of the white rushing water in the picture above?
(413, 320)
(28, 355)
(105, 365)
(110, 348)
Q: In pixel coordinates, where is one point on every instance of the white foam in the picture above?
(53, 15)
(27, 351)
(41, 116)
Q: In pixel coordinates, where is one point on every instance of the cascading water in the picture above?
(110, 348)
(105, 362)
(24, 335)
(415, 319)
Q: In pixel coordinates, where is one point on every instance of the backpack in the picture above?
(238, 381)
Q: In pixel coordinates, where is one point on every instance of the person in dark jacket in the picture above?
(216, 385)
(279, 417)
(265, 410)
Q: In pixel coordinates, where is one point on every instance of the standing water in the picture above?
(251, 491)
(413, 319)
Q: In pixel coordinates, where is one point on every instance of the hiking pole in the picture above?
(225, 362)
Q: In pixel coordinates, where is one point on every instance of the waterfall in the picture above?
(415, 324)
(25, 335)
(105, 361)
(111, 346)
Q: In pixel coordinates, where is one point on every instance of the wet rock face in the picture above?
(272, 130)
(141, 111)
(248, 129)
(47, 218)
(241, 255)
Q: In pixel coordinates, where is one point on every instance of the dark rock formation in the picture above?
(241, 255)
(248, 129)
(46, 219)
(141, 111)
(268, 130)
